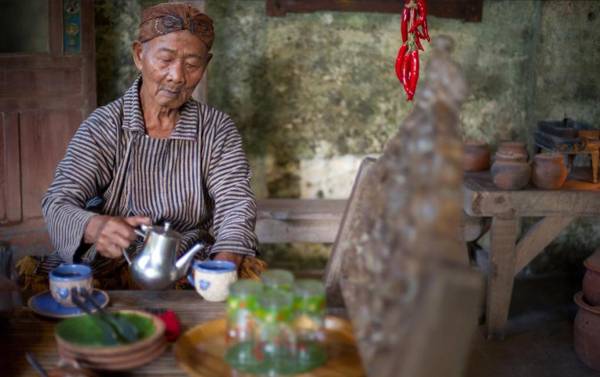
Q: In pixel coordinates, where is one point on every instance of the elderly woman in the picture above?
(154, 155)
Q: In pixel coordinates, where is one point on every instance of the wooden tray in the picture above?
(201, 349)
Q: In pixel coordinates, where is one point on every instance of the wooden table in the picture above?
(509, 254)
(25, 331)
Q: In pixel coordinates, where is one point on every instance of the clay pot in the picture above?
(513, 149)
(510, 174)
(476, 156)
(586, 333)
(549, 171)
(591, 279)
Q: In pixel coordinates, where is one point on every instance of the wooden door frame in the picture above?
(12, 223)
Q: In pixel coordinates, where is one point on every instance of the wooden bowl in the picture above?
(114, 357)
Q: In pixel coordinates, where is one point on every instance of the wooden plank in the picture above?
(501, 277)
(3, 181)
(538, 237)
(43, 133)
(28, 237)
(283, 231)
(12, 167)
(43, 82)
(301, 209)
(55, 25)
(298, 220)
(482, 198)
(10, 62)
(51, 102)
(467, 10)
(334, 263)
(88, 56)
(309, 221)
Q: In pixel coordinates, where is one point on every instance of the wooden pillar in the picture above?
(501, 278)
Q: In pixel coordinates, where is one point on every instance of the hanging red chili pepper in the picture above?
(400, 61)
(413, 29)
(414, 73)
(404, 24)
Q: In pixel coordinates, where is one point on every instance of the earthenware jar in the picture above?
(513, 149)
(510, 172)
(586, 333)
(549, 171)
(476, 156)
(591, 279)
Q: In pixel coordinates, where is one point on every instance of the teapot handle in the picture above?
(143, 231)
(127, 257)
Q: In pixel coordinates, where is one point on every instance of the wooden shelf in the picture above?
(467, 10)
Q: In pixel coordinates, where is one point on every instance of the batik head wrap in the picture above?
(167, 18)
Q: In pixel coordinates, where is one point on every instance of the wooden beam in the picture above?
(278, 221)
(467, 10)
(501, 278)
(538, 237)
(483, 199)
(55, 27)
(9, 126)
(298, 220)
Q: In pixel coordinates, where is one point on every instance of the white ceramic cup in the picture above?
(67, 276)
(212, 279)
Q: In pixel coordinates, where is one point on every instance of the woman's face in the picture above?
(171, 65)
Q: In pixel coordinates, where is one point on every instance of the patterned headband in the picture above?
(168, 18)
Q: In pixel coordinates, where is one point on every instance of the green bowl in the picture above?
(85, 334)
(86, 331)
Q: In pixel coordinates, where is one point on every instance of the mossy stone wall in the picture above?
(314, 93)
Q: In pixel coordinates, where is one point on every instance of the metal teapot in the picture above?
(156, 266)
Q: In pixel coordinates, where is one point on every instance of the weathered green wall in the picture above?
(314, 93)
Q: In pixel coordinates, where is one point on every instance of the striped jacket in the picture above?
(198, 179)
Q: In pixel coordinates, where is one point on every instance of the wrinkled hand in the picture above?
(112, 234)
(231, 257)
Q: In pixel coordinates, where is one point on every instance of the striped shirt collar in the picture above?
(133, 118)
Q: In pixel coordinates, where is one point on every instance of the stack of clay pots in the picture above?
(510, 170)
(586, 328)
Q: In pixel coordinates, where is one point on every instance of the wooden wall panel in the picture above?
(11, 168)
(2, 173)
(41, 82)
(44, 138)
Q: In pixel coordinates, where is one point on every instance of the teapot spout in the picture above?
(183, 263)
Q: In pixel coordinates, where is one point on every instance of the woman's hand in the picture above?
(112, 234)
(231, 257)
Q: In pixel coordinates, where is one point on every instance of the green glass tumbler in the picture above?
(241, 304)
(277, 279)
(309, 322)
(275, 340)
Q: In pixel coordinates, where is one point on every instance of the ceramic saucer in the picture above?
(43, 304)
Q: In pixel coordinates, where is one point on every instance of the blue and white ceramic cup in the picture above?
(212, 279)
(67, 276)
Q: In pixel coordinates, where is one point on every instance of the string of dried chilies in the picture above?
(413, 29)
